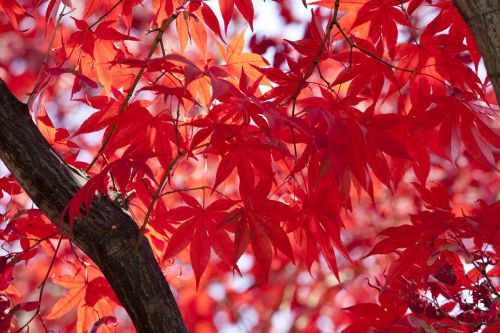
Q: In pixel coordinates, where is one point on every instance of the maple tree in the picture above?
(345, 181)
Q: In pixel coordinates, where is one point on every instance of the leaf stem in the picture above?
(156, 197)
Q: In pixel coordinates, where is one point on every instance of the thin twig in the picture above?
(157, 196)
(310, 69)
(370, 53)
(37, 242)
(183, 190)
(46, 57)
(482, 271)
(105, 14)
(42, 286)
(132, 88)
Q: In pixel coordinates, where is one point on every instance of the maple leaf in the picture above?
(211, 20)
(347, 148)
(414, 4)
(245, 7)
(487, 217)
(468, 123)
(81, 80)
(91, 7)
(133, 163)
(104, 31)
(383, 17)
(32, 223)
(217, 132)
(98, 44)
(258, 222)
(131, 130)
(77, 296)
(241, 105)
(309, 47)
(14, 11)
(426, 233)
(374, 316)
(363, 70)
(201, 229)
(57, 137)
(84, 36)
(433, 58)
(191, 26)
(320, 222)
(9, 185)
(244, 154)
(236, 61)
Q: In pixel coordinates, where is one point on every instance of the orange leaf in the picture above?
(65, 304)
(236, 60)
(198, 35)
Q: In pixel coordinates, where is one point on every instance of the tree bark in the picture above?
(483, 19)
(107, 235)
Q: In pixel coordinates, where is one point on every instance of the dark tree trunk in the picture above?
(107, 235)
(483, 19)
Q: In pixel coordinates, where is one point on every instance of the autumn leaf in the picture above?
(202, 230)
(13, 10)
(236, 61)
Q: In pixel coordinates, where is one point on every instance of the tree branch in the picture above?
(483, 19)
(107, 234)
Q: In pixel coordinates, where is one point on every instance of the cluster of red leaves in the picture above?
(216, 148)
(428, 277)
